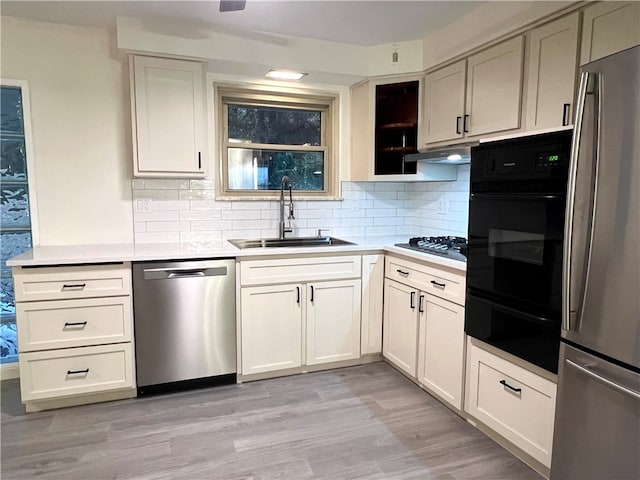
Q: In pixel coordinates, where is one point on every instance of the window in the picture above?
(15, 220)
(267, 135)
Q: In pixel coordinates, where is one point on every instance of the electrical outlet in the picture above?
(144, 205)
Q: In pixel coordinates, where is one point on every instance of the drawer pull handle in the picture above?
(437, 284)
(517, 390)
(76, 372)
(75, 324)
(74, 286)
(401, 272)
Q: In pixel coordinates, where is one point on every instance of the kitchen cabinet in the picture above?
(441, 348)
(551, 73)
(75, 334)
(372, 291)
(423, 328)
(333, 321)
(515, 402)
(271, 328)
(607, 28)
(444, 103)
(400, 330)
(168, 117)
(299, 311)
(386, 124)
(494, 89)
(476, 96)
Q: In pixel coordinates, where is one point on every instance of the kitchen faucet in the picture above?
(285, 183)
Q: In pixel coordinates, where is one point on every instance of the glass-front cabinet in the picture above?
(15, 221)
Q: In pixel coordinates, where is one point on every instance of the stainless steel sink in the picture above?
(288, 242)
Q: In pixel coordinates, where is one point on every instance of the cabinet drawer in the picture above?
(295, 270)
(516, 403)
(76, 371)
(58, 283)
(73, 323)
(436, 281)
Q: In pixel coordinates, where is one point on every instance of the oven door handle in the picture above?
(514, 311)
(518, 196)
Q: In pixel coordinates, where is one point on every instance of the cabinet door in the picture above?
(494, 88)
(444, 103)
(169, 116)
(400, 339)
(552, 73)
(271, 328)
(609, 27)
(372, 290)
(441, 348)
(333, 321)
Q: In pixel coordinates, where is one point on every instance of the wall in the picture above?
(185, 210)
(81, 128)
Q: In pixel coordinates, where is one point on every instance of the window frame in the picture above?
(325, 102)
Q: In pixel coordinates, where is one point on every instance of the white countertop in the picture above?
(84, 254)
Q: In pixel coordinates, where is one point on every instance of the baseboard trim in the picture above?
(9, 371)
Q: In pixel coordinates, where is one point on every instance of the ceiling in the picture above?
(360, 22)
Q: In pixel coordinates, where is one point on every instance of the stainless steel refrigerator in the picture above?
(597, 423)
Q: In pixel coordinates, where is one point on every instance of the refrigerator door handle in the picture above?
(616, 386)
(589, 85)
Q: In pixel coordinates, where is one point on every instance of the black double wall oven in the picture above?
(516, 230)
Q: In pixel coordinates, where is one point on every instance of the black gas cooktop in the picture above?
(454, 248)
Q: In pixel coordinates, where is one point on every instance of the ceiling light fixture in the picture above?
(284, 75)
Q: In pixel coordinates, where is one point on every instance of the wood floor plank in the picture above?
(366, 422)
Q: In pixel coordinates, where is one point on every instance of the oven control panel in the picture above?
(550, 160)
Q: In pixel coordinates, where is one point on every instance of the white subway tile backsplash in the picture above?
(157, 216)
(167, 226)
(201, 215)
(187, 211)
(197, 195)
(165, 184)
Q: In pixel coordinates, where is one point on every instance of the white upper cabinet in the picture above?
(168, 117)
(609, 27)
(494, 88)
(551, 73)
(444, 103)
(476, 96)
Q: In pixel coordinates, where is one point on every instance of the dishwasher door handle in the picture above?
(183, 272)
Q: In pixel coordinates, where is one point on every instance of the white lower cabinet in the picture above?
(75, 334)
(271, 328)
(516, 403)
(400, 328)
(312, 322)
(441, 348)
(76, 371)
(333, 321)
(372, 304)
(423, 333)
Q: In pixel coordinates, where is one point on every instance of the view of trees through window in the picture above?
(267, 142)
(15, 222)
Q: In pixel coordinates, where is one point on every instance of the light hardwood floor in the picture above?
(366, 422)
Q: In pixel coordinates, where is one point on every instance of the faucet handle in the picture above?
(320, 230)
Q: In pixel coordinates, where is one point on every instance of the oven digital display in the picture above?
(549, 160)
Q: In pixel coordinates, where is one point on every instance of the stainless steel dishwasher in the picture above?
(185, 327)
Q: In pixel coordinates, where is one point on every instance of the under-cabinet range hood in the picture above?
(451, 154)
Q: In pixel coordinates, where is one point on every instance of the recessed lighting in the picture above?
(454, 156)
(284, 75)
